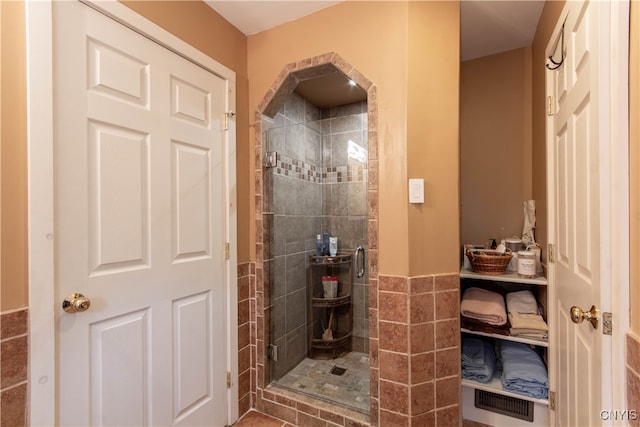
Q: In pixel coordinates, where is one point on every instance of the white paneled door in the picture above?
(579, 147)
(140, 220)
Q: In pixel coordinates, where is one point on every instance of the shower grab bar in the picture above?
(359, 253)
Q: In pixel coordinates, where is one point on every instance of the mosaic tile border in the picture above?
(286, 166)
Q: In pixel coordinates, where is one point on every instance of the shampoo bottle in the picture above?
(318, 245)
(325, 243)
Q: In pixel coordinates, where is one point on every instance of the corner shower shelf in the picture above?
(319, 301)
(330, 344)
(321, 309)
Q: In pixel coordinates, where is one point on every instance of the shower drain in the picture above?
(337, 370)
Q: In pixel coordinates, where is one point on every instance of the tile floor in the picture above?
(256, 419)
(313, 377)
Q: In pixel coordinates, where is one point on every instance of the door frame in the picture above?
(614, 298)
(40, 172)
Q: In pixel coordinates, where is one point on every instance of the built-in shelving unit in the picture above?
(508, 276)
(495, 385)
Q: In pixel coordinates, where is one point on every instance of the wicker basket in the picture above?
(491, 263)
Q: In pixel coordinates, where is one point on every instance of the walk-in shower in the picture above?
(315, 182)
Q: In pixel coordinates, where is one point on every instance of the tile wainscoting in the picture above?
(14, 356)
(414, 352)
(633, 378)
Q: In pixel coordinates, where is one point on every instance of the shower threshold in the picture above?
(317, 378)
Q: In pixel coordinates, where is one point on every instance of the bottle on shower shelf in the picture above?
(325, 243)
(333, 246)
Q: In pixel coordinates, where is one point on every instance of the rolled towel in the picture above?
(478, 359)
(522, 302)
(483, 305)
(523, 371)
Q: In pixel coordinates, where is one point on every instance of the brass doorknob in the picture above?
(76, 303)
(578, 315)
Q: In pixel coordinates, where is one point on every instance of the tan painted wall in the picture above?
(13, 167)
(202, 27)
(546, 24)
(433, 136)
(495, 145)
(634, 154)
(374, 37)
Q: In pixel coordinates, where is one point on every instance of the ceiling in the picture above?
(486, 28)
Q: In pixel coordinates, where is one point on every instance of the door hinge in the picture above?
(272, 352)
(551, 106)
(228, 379)
(550, 254)
(227, 251)
(552, 400)
(226, 119)
(607, 323)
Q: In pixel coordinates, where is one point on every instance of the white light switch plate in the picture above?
(416, 190)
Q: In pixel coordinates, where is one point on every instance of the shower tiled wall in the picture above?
(294, 220)
(13, 372)
(318, 184)
(345, 207)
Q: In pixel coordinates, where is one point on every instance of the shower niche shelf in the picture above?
(336, 313)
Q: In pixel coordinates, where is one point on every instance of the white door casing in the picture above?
(156, 222)
(583, 162)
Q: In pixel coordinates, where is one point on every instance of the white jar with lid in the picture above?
(513, 243)
(527, 264)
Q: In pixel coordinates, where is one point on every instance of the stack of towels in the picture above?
(478, 359)
(524, 316)
(523, 371)
(484, 310)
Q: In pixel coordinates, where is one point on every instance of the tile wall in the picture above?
(316, 186)
(633, 379)
(345, 209)
(294, 218)
(13, 367)
(246, 334)
(418, 343)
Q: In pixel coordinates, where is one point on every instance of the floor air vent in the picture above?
(505, 405)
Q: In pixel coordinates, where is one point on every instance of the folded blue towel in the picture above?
(478, 359)
(523, 371)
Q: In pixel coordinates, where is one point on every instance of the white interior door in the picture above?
(579, 222)
(139, 225)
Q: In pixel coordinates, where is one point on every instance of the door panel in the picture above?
(192, 208)
(121, 360)
(140, 220)
(192, 349)
(118, 194)
(575, 182)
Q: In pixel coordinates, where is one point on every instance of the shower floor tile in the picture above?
(314, 377)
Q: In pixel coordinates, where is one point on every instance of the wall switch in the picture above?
(416, 190)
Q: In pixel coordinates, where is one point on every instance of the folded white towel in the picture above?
(522, 302)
